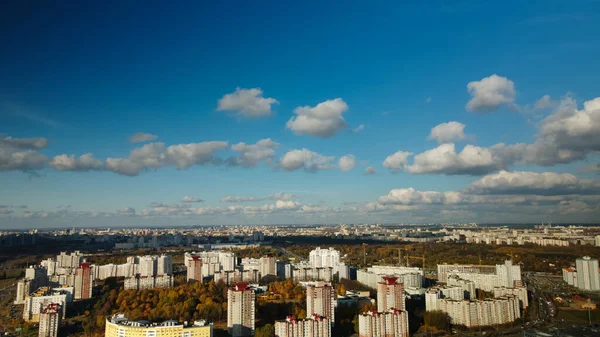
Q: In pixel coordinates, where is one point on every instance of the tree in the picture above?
(266, 331)
(438, 319)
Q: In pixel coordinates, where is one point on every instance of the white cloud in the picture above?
(276, 196)
(21, 153)
(397, 161)
(547, 183)
(127, 211)
(305, 159)
(247, 102)
(157, 155)
(347, 162)
(188, 198)
(85, 162)
(572, 129)
(252, 154)
(323, 120)
(370, 170)
(24, 143)
(140, 137)
(410, 196)
(448, 132)
(490, 93)
(358, 129)
(444, 159)
(544, 103)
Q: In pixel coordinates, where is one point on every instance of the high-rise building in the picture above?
(312, 326)
(390, 294)
(35, 277)
(38, 300)
(268, 266)
(119, 326)
(194, 268)
(164, 265)
(587, 273)
(320, 301)
(391, 323)
(50, 320)
(324, 257)
(240, 310)
(212, 262)
(83, 281)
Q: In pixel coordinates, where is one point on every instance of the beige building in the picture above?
(83, 281)
(320, 301)
(390, 294)
(313, 326)
(391, 323)
(240, 310)
(119, 326)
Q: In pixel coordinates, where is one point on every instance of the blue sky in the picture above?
(86, 77)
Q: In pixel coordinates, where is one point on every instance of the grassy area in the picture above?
(578, 316)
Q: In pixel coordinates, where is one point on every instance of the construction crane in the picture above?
(408, 257)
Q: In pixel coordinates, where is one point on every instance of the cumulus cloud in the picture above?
(448, 132)
(370, 170)
(347, 162)
(410, 196)
(547, 183)
(188, 198)
(472, 160)
(276, 196)
(247, 102)
(24, 143)
(397, 161)
(126, 211)
(21, 154)
(140, 137)
(305, 159)
(545, 102)
(252, 154)
(85, 162)
(323, 121)
(157, 155)
(490, 93)
(573, 129)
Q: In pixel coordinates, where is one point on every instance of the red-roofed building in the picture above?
(390, 294)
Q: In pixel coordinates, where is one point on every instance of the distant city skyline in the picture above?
(273, 113)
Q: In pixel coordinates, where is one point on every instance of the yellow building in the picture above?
(120, 326)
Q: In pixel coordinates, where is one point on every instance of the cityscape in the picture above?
(371, 280)
(300, 169)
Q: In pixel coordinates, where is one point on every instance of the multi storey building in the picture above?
(391, 323)
(212, 262)
(475, 313)
(83, 281)
(411, 277)
(470, 291)
(268, 266)
(35, 277)
(240, 310)
(320, 301)
(38, 300)
(50, 320)
(313, 326)
(306, 273)
(484, 277)
(119, 326)
(230, 277)
(587, 274)
(149, 282)
(194, 268)
(390, 294)
(519, 292)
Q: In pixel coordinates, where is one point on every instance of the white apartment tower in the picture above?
(320, 301)
(240, 310)
(390, 294)
(50, 320)
(587, 273)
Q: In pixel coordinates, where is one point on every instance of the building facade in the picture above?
(588, 277)
(390, 294)
(83, 281)
(240, 310)
(391, 323)
(50, 320)
(119, 326)
(320, 301)
(313, 326)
